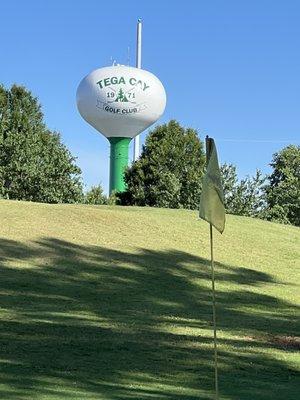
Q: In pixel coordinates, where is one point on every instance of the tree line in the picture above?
(36, 166)
(170, 170)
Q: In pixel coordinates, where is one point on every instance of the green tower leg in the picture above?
(119, 147)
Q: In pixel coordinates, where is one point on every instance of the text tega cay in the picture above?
(114, 80)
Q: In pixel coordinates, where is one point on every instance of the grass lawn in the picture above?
(114, 303)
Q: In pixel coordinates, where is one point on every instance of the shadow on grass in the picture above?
(84, 322)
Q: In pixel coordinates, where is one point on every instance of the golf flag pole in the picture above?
(212, 210)
(208, 150)
(214, 311)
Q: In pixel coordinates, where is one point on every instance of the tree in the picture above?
(34, 164)
(283, 189)
(245, 197)
(229, 183)
(121, 96)
(169, 171)
(95, 196)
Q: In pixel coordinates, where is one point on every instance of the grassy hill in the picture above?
(115, 303)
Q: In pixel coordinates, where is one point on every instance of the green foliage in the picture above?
(95, 196)
(229, 182)
(34, 164)
(245, 197)
(167, 190)
(112, 199)
(169, 171)
(277, 214)
(283, 189)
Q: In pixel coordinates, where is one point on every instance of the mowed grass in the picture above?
(115, 303)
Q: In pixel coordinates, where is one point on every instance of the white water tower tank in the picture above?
(120, 102)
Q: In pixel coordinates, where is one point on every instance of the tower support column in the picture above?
(119, 147)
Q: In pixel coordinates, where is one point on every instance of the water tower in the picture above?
(120, 102)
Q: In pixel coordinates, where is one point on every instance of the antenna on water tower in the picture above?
(128, 56)
(136, 143)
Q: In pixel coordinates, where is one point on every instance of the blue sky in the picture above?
(231, 69)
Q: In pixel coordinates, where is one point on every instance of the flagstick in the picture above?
(208, 150)
(208, 144)
(214, 310)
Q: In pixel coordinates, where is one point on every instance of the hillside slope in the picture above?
(115, 303)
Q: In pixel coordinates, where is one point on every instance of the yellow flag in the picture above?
(212, 207)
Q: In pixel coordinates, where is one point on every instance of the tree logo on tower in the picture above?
(121, 96)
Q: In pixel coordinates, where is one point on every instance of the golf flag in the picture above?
(212, 210)
(212, 207)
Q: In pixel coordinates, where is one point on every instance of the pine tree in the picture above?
(121, 96)
(245, 197)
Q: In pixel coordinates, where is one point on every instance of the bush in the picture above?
(95, 196)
